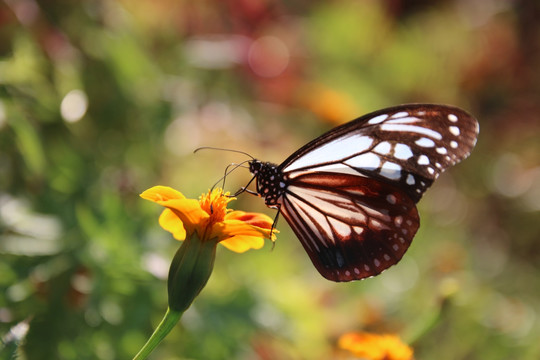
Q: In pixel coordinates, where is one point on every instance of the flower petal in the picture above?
(375, 346)
(261, 222)
(161, 193)
(169, 221)
(243, 243)
(189, 212)
(254, 219)
(239, 236)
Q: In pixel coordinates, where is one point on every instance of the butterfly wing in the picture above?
(350, 194)
(407, 146)
(352, 227)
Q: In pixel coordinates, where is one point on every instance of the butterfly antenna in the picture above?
(227, 172)
(223, 149)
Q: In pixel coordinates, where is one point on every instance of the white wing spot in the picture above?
(454, 144)
(391, 198)
(377, 262)
(454, 130)
(356, 271)
(348, 273)
(390, 170)
(441, 150)
(383, 148)
(410, 179)
(409, 222)
(430, 170)
(411, 128)
(403, 120)
(340, 227)
(400, 114)
(395, 247)
(281, 184)
(386, 257)
(425, 142)
(357, 229)
(398, 221)
(452, 117)
(366, 161)
(423, 160)
(378, 119)
(438, 165)
(421, 113)
(366, 266)
(402, 152)
(402, 240)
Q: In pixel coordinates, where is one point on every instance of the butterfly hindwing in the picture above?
(352, 227)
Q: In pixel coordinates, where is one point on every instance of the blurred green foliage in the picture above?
(100, 100)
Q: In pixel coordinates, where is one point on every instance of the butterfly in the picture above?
(350, 195)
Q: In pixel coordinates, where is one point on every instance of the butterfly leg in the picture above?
(274, 223)
(245, 189)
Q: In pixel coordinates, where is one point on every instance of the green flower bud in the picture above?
(190, 270)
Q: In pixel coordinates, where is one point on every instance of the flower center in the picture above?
(215, 205)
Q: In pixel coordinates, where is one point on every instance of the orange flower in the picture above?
(201, 225)
(238, 231)
(329, 104)
(375, 347)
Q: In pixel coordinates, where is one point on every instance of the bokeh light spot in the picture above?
(216, 51)
(268, 56)
(3, 117)
(74, 106)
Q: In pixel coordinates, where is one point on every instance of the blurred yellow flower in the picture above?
(375, 347)
(238, 231)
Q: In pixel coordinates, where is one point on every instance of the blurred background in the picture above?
(100, 100)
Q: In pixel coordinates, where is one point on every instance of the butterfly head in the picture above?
(270, 181)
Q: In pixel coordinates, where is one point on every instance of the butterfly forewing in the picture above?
(408, 146)
(350, 194)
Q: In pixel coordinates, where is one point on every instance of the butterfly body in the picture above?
(350, 195)
(270, 183)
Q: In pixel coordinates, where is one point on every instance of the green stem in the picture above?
(165, 326)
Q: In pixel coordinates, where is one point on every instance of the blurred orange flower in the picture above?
(330, 105)
(375, 347)
(238, 231)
